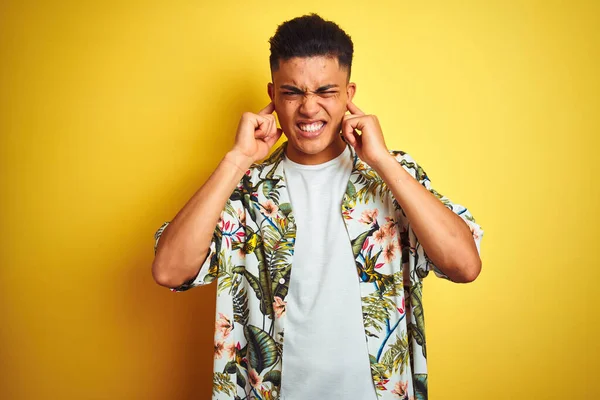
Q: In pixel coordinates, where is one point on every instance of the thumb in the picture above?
(274, 138)
(262, 126)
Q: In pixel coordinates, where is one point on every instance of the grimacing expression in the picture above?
(310, 95)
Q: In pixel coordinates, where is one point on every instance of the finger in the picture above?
(266, 127)
(353, 109)
(268, 109)
(261, 127)
(272, 130)
(272, 125)
(349, 133)
(274, 138)
(260, 134)
(350, 138)
(347, 117)
(354, 122)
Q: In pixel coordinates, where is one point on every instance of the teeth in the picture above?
(315, 126)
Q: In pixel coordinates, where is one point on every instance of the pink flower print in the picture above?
(389, 252)
(230, 349)
(368, 217)
(389, 228)
(270, 209)
(279, 307)
(223, 325)
(400, 389)
(365, 244)
(401, 309)
(219, 347)
(379, 235)
(226, 226)
(254, 378)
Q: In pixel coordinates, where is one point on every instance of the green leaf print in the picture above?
(222, 384)
(371, 184)
(417, 170)
(285, 208)
(351, 190)
(267, 186)
(357, 242)
(379, 373)
(420, 382)
(240, 304)
(274, 377)
(281, 290)
(418, 330)
(240, 380)
(252, 280)
(248, 206)
(213, 269)
(269, 189)
(229, 209)
(266, 306)
(225, 275)
(375, 312)
(274, 159)
(262, 350)
(278, 248)
(278, 239)
(395, 357)
(230, 367)
(265, 284)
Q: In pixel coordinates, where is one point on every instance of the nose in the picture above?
(310, 105)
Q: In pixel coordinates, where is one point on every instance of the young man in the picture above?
(318, 242)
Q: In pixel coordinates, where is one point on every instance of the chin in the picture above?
(311, 146)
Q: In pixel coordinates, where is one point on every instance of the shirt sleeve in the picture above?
(209, 269)
(424, 264)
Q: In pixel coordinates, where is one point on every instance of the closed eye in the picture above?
(328, 93)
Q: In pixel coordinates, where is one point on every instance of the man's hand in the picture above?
(369, 143)
(256, 134)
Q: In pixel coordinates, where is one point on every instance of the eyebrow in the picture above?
(300, 91)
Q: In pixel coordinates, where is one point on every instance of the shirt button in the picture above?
(282, 281)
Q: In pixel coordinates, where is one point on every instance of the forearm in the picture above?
(445, 237)
(184, 244)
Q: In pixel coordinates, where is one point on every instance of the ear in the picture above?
(271, 91)
(350, 90)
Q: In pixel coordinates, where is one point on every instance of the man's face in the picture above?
(310, 97)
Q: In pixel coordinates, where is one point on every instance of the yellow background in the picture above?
(113, 113)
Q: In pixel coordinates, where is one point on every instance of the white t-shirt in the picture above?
(325, 352)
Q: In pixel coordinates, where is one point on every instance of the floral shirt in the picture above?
(251, 258)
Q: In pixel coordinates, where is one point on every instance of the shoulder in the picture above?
(409, 164)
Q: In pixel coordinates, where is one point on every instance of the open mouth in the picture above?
(311, 129)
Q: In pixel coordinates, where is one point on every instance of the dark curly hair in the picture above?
(309, 36)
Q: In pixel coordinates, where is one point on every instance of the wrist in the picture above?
(384, 163)
(240, 160)
(390, 170)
